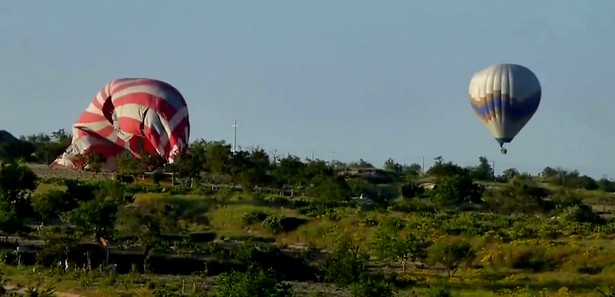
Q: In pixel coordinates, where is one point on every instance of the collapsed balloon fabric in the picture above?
(130, 116)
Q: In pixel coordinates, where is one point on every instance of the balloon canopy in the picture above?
(130, 116)
(505, 97)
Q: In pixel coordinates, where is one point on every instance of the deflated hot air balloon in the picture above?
(505, 97)
(130, 115)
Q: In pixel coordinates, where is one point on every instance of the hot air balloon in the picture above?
(504, 97)
(130, 116)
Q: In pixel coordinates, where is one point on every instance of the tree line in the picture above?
(215, 162)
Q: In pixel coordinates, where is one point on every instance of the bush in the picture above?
(455, 190)
(253, 217)
(273, 224)
(582, 214)
(413, 205)
(345, 264)
(372, 286)
(256, 282)
(411, 190)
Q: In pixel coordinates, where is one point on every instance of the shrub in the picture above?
(273, 224)
(256, 282)
(452, 254)
(582, 214)
(372, 286)
(345, 264)
(411, 190)
(253, 217)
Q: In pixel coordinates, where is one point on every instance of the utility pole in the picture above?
(493, 167)
(423, 165)
(235, 136)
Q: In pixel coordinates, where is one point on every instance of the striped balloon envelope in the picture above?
(131, 116)
(505, 97)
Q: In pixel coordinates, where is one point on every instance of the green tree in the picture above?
(95, 161)
(17, 183)
(10, 223)
(483, 171)
(217, 157)
(412, 171)
(147, 223)
(455, 190)
(392, 166)
(289, 171)
(442, 169)
(452, 254)
(345, 264)
(49, 205)
(606, 185)
(510, 173)
(589, 183)
(330, 189)
(389, 245)
(411, 189)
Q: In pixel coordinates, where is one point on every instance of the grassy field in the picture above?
(515, 255)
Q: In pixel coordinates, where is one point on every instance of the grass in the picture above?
(571, 275)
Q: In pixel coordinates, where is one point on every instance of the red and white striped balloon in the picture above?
(130, 115)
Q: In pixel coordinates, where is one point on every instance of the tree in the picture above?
(49, 205)
(389, 245)
(452, 254)
(411, 189)
(392, 166)
(330, 189)
(13, 150)
(10, 223)
(606, 185)
(589, 183)
(237, 164)
(483, 171)
(360, 164)
(217, 156)
(456, 190)
(128, 165)
(151, 162)
(441, 168)
(95, 218)
(288, 170)
(95, 160)
(17, 182)
(147, 223)
(520, 196)
(412, 171)
(345, 264)
(510, 173)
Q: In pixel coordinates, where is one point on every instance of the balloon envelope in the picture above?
(504, 97)
(130, 115)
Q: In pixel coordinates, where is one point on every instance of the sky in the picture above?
(346, 79)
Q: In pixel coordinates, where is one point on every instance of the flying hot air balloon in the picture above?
(505, 97)
(130, 116)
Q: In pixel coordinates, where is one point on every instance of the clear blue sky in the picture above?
(364, 79)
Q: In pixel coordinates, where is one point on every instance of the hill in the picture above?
(6, 136)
